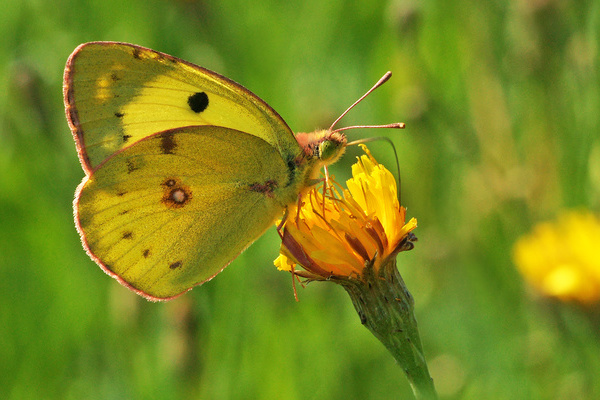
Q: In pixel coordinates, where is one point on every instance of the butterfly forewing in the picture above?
(117, 94)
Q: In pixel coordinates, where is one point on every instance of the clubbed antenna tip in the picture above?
(396, 125)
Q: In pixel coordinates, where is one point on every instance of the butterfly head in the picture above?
(326, 146)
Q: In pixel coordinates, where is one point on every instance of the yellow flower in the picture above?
(336, 236)
(351, 237)
(562, 259)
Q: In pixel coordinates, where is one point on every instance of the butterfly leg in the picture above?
(282, 223)
(294, 277)
(325, 187)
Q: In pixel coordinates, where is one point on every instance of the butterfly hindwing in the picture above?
(172, 210)
(117, 94)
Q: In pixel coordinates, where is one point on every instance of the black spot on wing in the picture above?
(167, 143)
(175, 265)
(146, 253)
(198, 102)
(170, 182)
(131, 165)
(177, 197)
(119, 114)
(126, 138)
(175, 193)
(127, 235)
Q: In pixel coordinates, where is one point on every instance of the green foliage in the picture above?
(501, 102)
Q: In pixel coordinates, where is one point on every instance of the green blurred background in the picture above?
(501, 101)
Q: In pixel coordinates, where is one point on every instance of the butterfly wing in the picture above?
(117, 93)
(172, 210)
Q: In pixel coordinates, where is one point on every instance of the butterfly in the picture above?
(184, 168)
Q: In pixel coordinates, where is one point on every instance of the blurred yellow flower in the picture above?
(336, 236)
(562, 259)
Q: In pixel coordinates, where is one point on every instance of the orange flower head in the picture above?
(334, 235)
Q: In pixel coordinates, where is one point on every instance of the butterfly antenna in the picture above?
(397, 125)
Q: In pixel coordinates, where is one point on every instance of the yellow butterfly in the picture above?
(184, 167)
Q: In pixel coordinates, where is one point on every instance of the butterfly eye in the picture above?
(330, 149)
(326, 150)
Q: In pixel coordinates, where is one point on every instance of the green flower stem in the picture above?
(386, 308)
